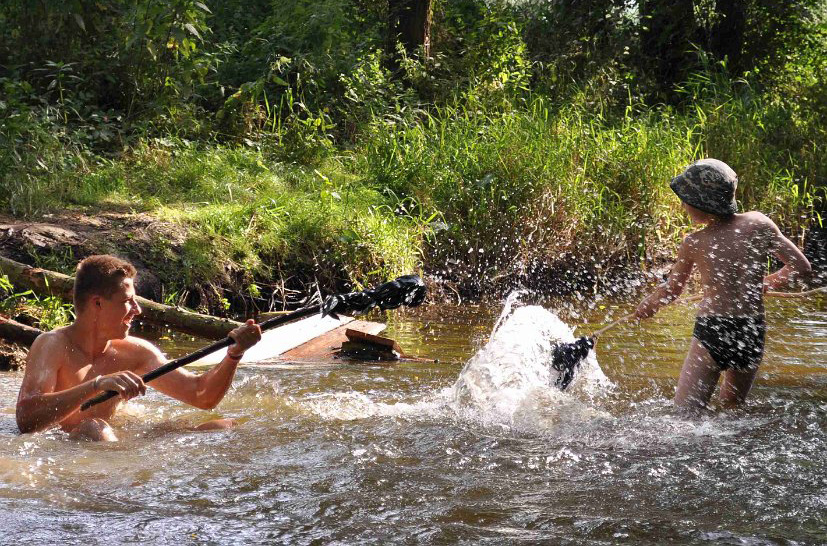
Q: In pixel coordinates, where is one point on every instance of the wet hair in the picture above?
(100, 275)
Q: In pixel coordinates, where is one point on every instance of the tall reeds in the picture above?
(539, 183)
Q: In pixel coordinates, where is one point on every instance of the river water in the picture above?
(441, 452)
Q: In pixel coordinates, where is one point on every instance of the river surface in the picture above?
(349, 454)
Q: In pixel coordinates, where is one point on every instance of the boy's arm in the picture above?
(206, 390)
(673, 286)
(39, 406)
(796, 265)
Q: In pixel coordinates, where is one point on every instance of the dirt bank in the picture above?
(12, 357)
(58, 241)
(156, 248)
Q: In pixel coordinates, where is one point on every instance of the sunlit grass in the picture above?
(483, 188)
(542, 182)
(246, 213)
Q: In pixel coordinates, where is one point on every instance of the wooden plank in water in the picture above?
(366, 346)
(284, 338)
(322, 348)
(357, 336)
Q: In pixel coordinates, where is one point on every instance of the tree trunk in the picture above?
(15, 332)
(51, 283)
(409, 22)
(728, 35)
(668, 29)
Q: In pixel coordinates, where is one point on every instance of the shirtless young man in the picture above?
(731, 255)
(70, 365)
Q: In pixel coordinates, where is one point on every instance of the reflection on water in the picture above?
(356, 453)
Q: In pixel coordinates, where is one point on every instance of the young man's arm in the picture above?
(796, 265)
(669, 291)
(40, 407)
(203, 391)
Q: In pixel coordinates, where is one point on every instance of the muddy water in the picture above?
(368, 454)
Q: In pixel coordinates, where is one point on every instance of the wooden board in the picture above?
(321, 348)
(280, 340)
(357, 335)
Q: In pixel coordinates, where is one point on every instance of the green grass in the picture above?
(44, 312)
(245, 213)
(541, 182)
(485, 189)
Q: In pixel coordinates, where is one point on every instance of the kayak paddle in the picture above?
(408, 290)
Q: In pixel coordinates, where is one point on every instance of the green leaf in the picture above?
(79, 21)
(193, 30)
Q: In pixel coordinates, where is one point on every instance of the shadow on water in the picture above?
(355, 453)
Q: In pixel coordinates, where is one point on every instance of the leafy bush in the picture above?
(46, 313)
(291, 141)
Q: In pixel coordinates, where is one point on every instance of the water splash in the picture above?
(348, 406)
(512, 299)
(510, 382)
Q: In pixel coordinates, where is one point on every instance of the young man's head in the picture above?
(707, 186)
(104, 290)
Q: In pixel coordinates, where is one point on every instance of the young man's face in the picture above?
(115, 314)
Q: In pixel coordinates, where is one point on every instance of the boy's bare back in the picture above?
(731, 256)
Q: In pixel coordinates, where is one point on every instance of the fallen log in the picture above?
(52, 283)
(15, 332)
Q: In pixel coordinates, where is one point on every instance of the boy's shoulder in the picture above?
(693, 238)
(758, 216)
(755, 221)
(692, 243)
(752, 218)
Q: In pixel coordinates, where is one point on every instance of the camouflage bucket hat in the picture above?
(708, 185)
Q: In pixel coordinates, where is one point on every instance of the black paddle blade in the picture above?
(566, 359)
(408, 290)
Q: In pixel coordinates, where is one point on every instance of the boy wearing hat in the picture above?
(731, 254)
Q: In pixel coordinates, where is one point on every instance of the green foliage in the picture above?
(533, 185)
(135, 55)
(62, 261)
(244, 212)
(35, 149)
(284, 139)
(6, 287)
(46, 313)
(373, 95)
(493, 55)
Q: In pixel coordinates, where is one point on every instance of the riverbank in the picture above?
(12, 356)
(480, 200)
(242, 173)
(490, 192)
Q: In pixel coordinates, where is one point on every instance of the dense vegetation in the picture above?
(298, 143)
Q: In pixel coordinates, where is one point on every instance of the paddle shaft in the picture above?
(204, 351)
